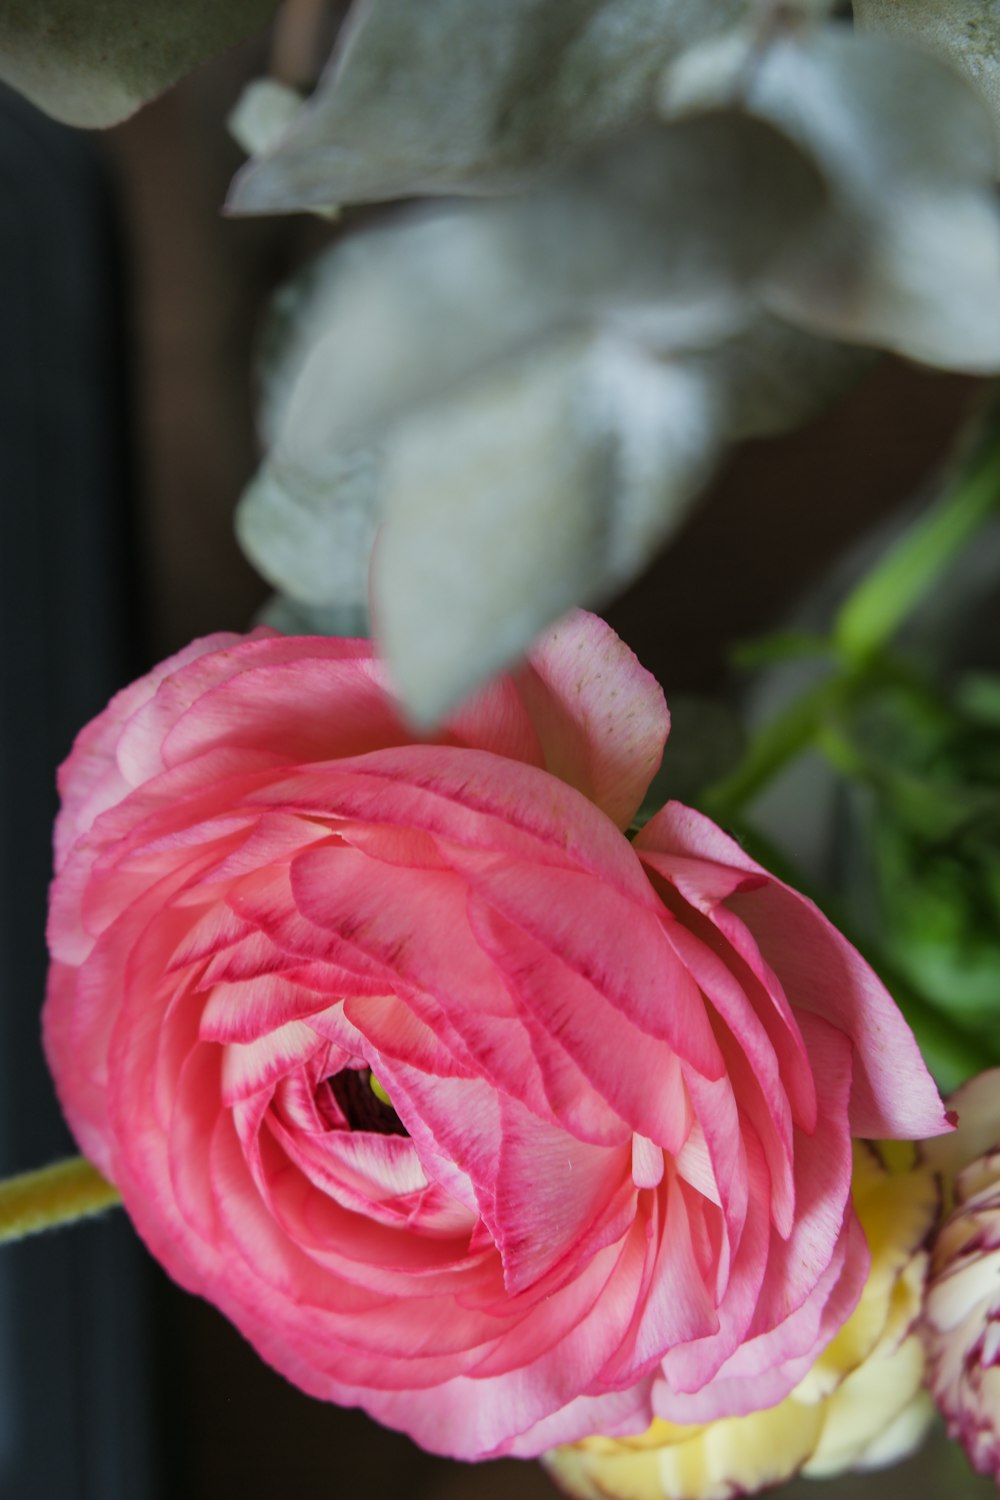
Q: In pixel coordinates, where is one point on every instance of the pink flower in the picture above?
(962, 1310)
(461, 1106)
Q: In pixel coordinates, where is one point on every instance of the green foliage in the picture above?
(933, 770)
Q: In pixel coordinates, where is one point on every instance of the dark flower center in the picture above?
(361, 1106)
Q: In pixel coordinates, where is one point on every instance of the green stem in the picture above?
(878, 605)
(870, 615)
(772, 748)
(60, 1194)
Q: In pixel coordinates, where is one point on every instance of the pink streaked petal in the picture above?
(271, 839)
(572, 1099)
(79, 1028)
(677, 1308)
(378, 1176)
(608, 1284)
(726, 947)
(247, 1011)
(177, 1038)
(770, 1321)
(458, 1119)
(211, 931)
(284, 940)
(392, 1028)
(192, 1119)
(774, 1131)
(197, 671)
(602, 1041)
(249, 1067)
(474, 1419)
(89, 779)
(820, 971)
(618, 1414)
(471, 799)
(647, 1162)
(601, 717)
(81, 1089)
(113, 891)
(411, 926)
(495, 719)
(764, 1370)
(255, 1233)
(191, 804)
(717, 1113)
(373, 1250)
(618, 949)
(694, 1165)
(294, 1098)
(893, 1094)
(310, 708)
(745, 1045)
(822, 1183)
(411, 848)
(550, 1190)
(690, 1366)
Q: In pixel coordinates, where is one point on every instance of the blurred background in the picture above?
(129, 307)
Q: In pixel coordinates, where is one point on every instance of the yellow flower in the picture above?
(860, 1406)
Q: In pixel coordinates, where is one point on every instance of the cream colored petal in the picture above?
(867, 1403)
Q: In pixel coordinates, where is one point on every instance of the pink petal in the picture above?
(819, 970)
(550, 1190)
(600, 716)
(89, 778)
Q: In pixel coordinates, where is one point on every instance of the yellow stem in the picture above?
(60, 1194)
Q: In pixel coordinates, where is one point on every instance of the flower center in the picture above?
(364, 1103)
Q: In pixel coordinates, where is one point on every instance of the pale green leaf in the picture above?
(94, 62)
(638, 240)
(454, 96)
(309, 527)
(262, 114)
(549, 482)
(965, 33)
(906, 255)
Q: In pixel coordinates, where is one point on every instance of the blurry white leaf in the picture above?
(907, 255)
(769, 375)
(292, 617)
(262, 114)
(640, 238)
(93, 62)
(435, 96)
(965, 33)
(555, 482)
(310, 529)
(550, 482)
(662, 234)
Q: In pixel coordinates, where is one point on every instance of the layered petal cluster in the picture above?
(962, 1314)
(461, 1106)
(861, 1406)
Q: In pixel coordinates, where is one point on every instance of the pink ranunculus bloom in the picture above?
(461, 1106)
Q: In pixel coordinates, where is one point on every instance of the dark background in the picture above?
(128, 308)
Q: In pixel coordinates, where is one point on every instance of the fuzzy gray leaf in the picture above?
(548, 483)
(639, 240)
(95, 63)
(965, 33)
(452, 96)
(907, 253)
